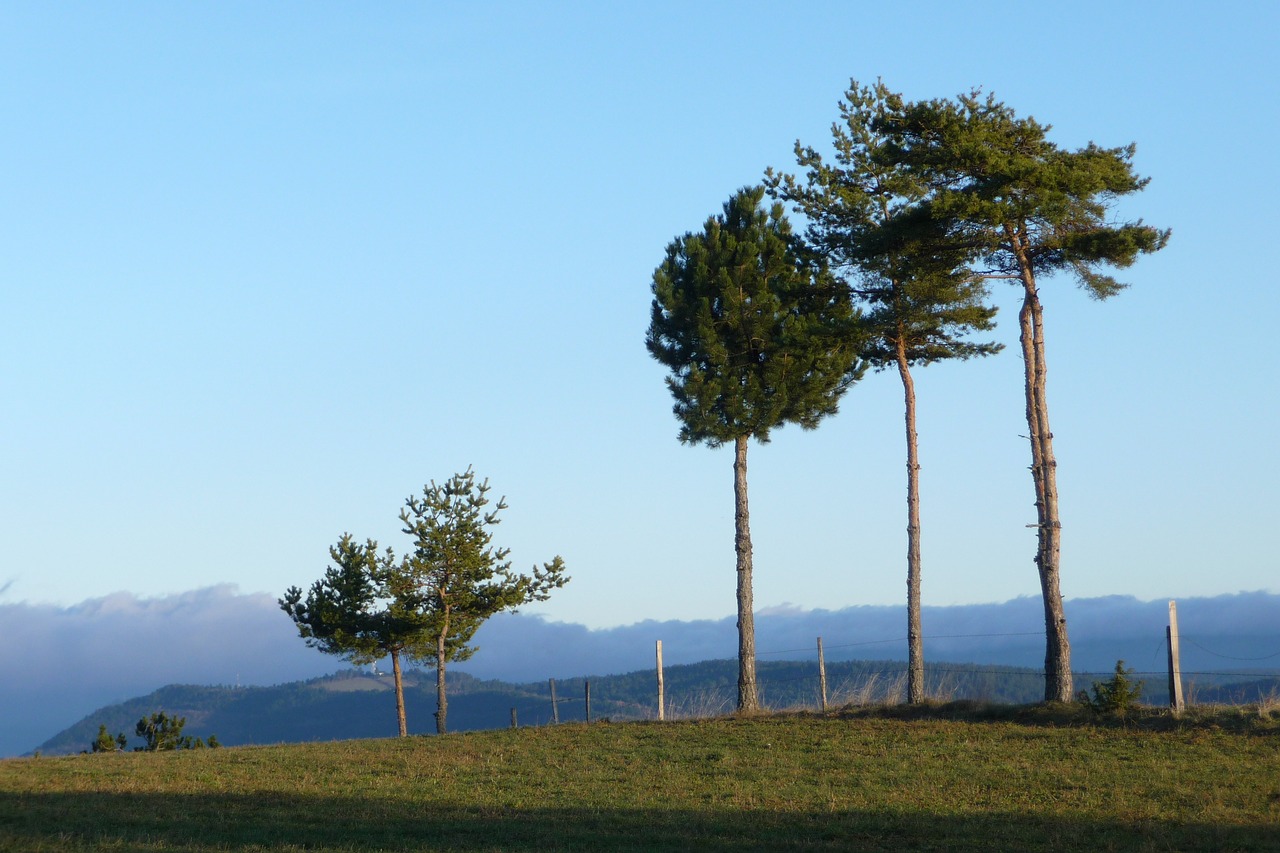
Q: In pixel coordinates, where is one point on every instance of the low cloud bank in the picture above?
(59, 664)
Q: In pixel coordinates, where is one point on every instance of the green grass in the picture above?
(960, 777)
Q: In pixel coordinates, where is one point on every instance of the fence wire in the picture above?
(861, 682)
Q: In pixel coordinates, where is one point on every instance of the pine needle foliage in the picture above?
(756, 334)
(866, 219)
(455, 575)
(1117, 695)
(362, 611)
(1026, 204)
(161, 732)
(104, 742)
(352, 612)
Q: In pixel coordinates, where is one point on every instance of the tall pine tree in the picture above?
(755, 336)
(1028, 209)
(906, 267)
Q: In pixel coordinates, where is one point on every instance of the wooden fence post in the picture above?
(1175, 663)
(555, 709)
(822, 676)
(514, 724)
(586, 686)
(661, 699)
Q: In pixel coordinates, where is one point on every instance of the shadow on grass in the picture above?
(232, 822)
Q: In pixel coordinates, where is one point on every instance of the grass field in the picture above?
(1028, 780)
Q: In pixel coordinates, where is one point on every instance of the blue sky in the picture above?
(266, 269)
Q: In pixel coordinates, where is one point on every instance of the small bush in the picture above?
(1117, 695)
(162, 732)
(106, 743)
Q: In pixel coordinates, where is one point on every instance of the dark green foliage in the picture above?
(755, 334)
(360, 609)
(1013, 191)
(867, 220)
(1117, 695)
(161, 732)
(363, 609)
(106, 743)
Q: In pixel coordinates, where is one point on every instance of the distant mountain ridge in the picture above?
(359, 704)
(66, 660)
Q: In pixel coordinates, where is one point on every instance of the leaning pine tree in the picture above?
(755, 336)
(921, 303)
(1029, 209)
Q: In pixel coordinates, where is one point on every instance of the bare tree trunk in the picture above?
(748, 695)
(915, 639)
(1044, 472)
(442, 700)
(395, 671)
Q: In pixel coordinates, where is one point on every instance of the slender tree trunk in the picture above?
(442, 700)
(1044, 472)
(395, 671)
(915, 639)
(748, 695)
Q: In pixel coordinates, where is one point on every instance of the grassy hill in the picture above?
(958, 778)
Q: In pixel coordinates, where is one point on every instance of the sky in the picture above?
(267, 269)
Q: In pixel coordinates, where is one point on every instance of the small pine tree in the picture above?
(160, 732)
(106, 743)
(354, 612)
(1117, 695)
(455, 578)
